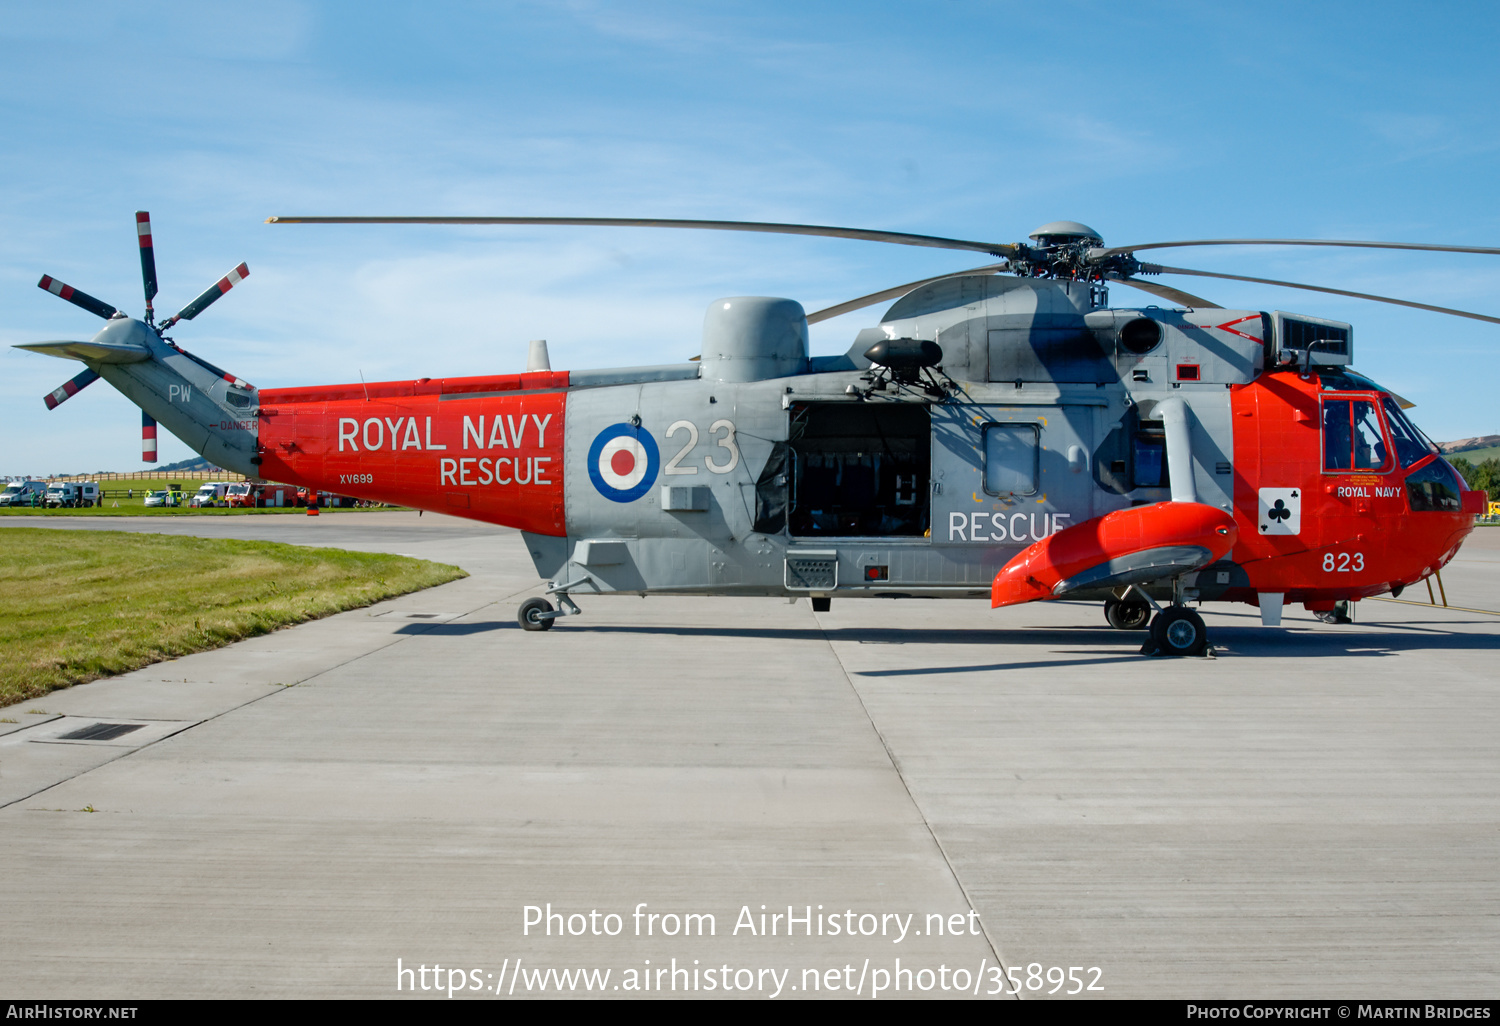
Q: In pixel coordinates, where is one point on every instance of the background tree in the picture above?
(1485, 475)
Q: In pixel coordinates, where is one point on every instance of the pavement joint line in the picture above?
(127, 753)
(896, 765)
(1433, 605)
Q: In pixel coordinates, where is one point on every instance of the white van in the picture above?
(24, 493)
(73, 493)
(212, 493)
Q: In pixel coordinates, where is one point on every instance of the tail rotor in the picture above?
(127, 341)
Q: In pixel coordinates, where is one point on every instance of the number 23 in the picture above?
(674, 465)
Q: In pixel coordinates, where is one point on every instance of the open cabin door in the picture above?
(859, 470)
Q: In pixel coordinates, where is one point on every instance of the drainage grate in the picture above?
(100, 732)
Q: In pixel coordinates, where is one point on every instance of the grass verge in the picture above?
(79, 605)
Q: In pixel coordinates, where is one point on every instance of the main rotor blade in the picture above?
(207, 297)
(1158, 269)
(148, 257)
(1166, 292)
(999, 249)
(68, 389)
(1427, 246)
(894, 293)
(77, 298)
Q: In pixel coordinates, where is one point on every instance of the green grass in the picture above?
(79, 605)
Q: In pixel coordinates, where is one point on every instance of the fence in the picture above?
(141, 475)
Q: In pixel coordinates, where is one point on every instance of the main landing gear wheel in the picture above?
(1179, 631)
(1126, 616)
(529, 615)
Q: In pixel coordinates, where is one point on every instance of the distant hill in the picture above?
(1476, 456)
(199, 463)
(1465, 444)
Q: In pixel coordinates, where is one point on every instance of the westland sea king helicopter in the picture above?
(1002, 431)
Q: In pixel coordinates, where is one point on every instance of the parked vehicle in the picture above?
(166, 497)
(24, 493)
(73, 494)
(261, 495)
(211, 493)
(327, 500)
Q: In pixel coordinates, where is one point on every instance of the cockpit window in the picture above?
(1352, 439)
(1411, 446)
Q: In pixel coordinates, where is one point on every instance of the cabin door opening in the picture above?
(859, 469)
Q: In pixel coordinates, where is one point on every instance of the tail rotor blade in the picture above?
(207, 297)
(68, 389)
(148, 257)
(148, 438)
(80, 299)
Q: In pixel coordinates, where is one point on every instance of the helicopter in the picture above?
(1002, 432)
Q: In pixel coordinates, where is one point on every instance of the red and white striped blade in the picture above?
(148, 437)
(209, 295)
(68, 389)
(77, 298)
(148, 255)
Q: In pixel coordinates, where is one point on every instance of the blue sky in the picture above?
(952, 117)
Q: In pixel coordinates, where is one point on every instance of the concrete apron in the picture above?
(1310, 814)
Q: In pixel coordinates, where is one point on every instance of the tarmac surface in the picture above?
(1312, 813)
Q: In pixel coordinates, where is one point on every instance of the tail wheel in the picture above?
(1126, 616)
(529, 615)
(1179, 631)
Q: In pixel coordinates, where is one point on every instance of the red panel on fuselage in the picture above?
(488, 448)
(1358, 533)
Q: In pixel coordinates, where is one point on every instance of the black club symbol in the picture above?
(1279, 512)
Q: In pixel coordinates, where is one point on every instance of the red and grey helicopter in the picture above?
(1002, 431)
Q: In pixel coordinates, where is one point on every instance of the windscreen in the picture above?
(1411, 444)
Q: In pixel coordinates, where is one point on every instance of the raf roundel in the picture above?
(623, 462)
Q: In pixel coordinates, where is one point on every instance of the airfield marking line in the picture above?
(896, 765)
(1429, 605)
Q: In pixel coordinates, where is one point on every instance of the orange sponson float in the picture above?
(1129, 546)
